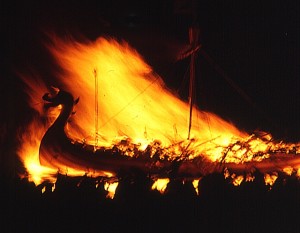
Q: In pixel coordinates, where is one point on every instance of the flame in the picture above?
(160, 185)
(111, 187)
(271, 178)
(237, 180)
(288, 170)
(30, 149)
(124, 102)
(196, 185)
(133, 100)
(298, 172)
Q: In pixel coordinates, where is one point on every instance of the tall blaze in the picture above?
(133, 100)
(121, 99)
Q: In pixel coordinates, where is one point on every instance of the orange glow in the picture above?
(288, 170)
(195, 185)
(249, 177)
(160, 185)
(298, 173)
(271, 178)
(133, 100)
(30, 148)
(111, 187)
(237, 180)
(134, 109)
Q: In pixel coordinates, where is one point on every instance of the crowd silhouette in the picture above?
(80, 204)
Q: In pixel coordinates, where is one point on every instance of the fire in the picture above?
(160, 184)
(133, 100)
(123, 103)
(111, 187)
(196, 185)
(32, 138)
(271, 178)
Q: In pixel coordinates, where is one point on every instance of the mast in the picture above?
(96, 110)
(193, 38)
(187, 10)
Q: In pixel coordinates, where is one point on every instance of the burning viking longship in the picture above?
(57, 148)
(136, 123)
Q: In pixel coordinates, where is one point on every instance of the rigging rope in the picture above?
(130, 102)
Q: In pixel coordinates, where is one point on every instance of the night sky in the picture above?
(248, 47)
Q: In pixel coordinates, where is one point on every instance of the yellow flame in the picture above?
(196, 185)
(288, 170)
(237, 180)
(160, 185)
(30, 151)
(132, 99)
(111, 187)
(270, 178)
(298, 173)
(53, 187)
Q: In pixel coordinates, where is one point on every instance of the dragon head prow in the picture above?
(57, 97)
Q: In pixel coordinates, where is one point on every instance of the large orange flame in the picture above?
(122, 98)
(133, 100)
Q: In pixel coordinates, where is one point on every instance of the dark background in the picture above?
(256, 43)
